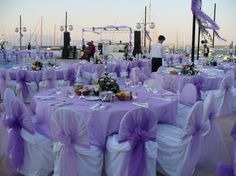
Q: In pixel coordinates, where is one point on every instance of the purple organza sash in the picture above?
(23, 77)
(70, 75)
(3, 80)
(50, 77)
(117, 70)
(18, 119)
(198, 81)
(137, 127)
(68, 158)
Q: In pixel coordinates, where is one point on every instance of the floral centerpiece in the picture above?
(98, 60)
(51, 63)
(106, 84)
(37, 65)
(189, 70)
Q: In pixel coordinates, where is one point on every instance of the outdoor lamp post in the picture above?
(151, 26)
(20, 30)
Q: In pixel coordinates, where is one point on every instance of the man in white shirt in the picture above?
(158, 53)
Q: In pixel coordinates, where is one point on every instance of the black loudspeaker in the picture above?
(65, 51)
(66, 39)
(137, 43)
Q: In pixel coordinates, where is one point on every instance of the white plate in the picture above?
(92, 98)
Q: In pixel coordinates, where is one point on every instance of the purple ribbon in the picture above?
(70, 75)
(198, 81)
(196, 9)
(68, 155)
(117, 70)
(138, 127)
(50, 77)
(3, 80)
(23, 78)
(18, 119)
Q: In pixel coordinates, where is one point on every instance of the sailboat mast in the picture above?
(41, 33)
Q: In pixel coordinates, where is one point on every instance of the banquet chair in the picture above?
(74, 155)
(29, 153)
(187, 98)
(137, 75)
(224, 97)
(231, 74)
(228, 168)
(213, 148)
(49, 79)
(169, 83)
(5, 82)
(133, 150)
(179, 149)
(70, 76)
(25, 87)
(9, 96)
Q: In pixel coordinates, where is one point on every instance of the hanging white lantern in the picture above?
(62, 28)
(16, 30)
(138, 26)
(152, 25)
(24, 29)
(70, 27)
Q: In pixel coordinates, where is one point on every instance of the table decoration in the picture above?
(106, 84)
(173, 72)
(124, 95)
(82, 91)
(37, 65)
(189, 70)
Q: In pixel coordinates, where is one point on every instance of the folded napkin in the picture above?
(99, 106)
(45, 97)
(144, 105)
(165, 99)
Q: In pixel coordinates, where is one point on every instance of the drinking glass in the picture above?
(58, 91)
(71, 94)
(134, 95)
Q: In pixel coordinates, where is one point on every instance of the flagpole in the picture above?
(199, 35)
(145, 27)
(213, 38)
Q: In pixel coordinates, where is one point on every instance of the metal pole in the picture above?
(20, 34)
(199, 35)
(193, 38)
(213, 38)
(145, 27)
(66, 23)
(41, 33)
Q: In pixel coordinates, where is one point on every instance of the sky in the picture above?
(173, 18)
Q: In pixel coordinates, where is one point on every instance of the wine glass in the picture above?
(58, 90)
(134, 95)
(127, 82)
(70, 94)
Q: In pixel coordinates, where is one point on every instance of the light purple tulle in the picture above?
(17, 120)
(137, 127)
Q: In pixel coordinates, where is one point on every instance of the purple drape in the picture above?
(50, 77)
(137, 127)
(198, 81)
(117, 70)
(3, 80)
(23, 77)
(69, 129)
(19, 119)
(70, 75)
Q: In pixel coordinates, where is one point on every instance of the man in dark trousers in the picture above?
(206, 50)
(158, 53)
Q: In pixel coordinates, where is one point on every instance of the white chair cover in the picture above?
(5, 82)
(179, 149)
(139, 123)
(74, 156)
(224, 97)
(34, 150)
(25, 88)
(187, 98)
(9, 95)
(214, 148)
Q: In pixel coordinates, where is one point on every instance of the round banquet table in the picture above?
(102, 122)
